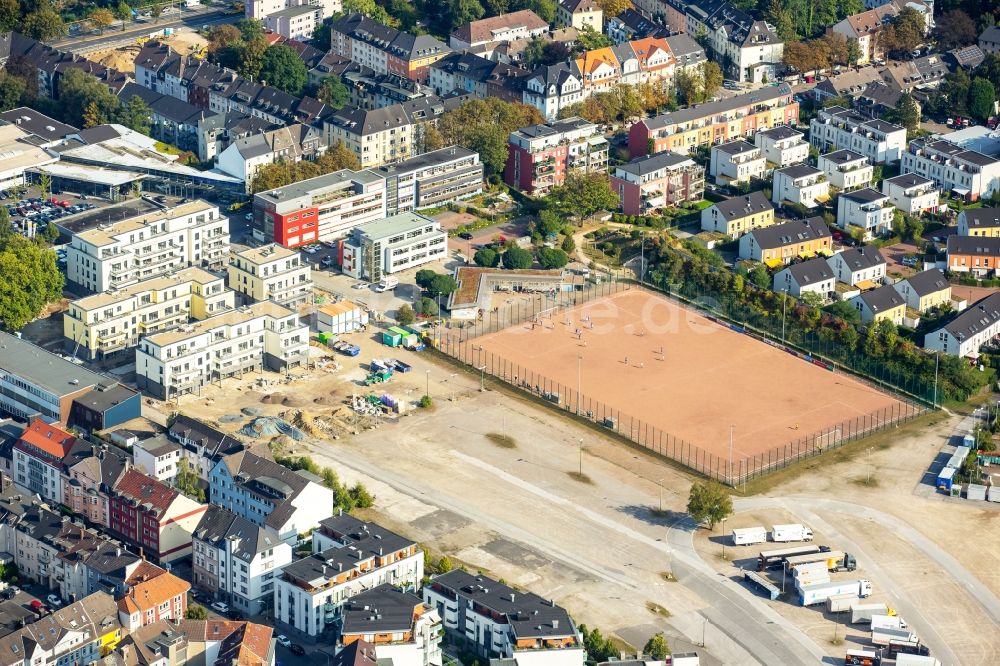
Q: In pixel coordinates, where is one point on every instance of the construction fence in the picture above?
(460, 345)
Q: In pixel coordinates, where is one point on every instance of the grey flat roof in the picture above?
(867, 195)
(651, 163)
(440, 156)
(382, 609)
(780, 132)
(394, 224)
(909, 180)
(43, 368)
(843, 156)
(304, 187)
(736, 147)
(799, 171)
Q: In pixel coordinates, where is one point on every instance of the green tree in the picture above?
(31, 281)
(484, 125)
(222, 37)
(333, 93)
(444, 565)
(589, 40)
(442, 285)
(101, 19)
(853, 52)
(982, 98)
(550, 257)
(10, 15)
(136, 115)
(515, 257)
(251, 58)
(709, 501)
(568, 244)
(155, 11)
(782, 20)
(428, 307)
(485, 257)
(990, 69)
(45, 185)
(123, 13)
(657, 647)
(612, 8)
(186, 481)
(250, 29)
(760, 277)
(907, 113)
(405, 315)
(6, 230)
(599, 649)
(92, 115)
(424, 278)
(196, 612)
(80, 92)
(43, 24)
(337, 157)
(283, 69)
(361, 497)
(546, 9)
(711, 77)
(905, 31)
(584, 195)
(464, 11)
(370, 9)
(321, 36)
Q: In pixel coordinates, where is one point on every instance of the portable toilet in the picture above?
(392, 338)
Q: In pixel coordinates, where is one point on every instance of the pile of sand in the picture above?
(122, 59)
(275, 399)
(303, 420)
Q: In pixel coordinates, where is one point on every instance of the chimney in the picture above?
(555, 624)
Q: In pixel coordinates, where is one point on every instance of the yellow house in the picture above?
(271, 273)
(107, 642)
(98, 325)
(779, 244)
(979, 222)
(734, 217)
(883, 303)
(925, 291)
(580, 14)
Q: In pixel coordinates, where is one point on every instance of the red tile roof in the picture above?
(151, 594)
(146, 490)
(51, 439)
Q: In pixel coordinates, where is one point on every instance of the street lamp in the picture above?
(723, 538)
(869, 481)
(482, 378)
(784, 300)
(427, 392)
(581, 456)
(937, 364)
(730, 474)
(660, 483)
(579, 363)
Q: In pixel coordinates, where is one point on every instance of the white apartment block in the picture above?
(736, 162)
(252, 338)
(969, 331)
(349, 557)
(259, 9)
(297, 22)
(324, 208)
(846, 170)
(158, 457)
(271, 272)
(838, 128)
(866, 209)
(392, 245)
(403, 629)
(102, 324)
(800, 184)
(237, 561)
(782, 146)
(911, 193)
(148, 246)
(752, 49)
(965, 173)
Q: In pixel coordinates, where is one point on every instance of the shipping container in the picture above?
(976, 491)
(864, 612)
(958, 457)
(820, 592)
(840, 603)
(993, 493)
(747, 536)
(946, 478)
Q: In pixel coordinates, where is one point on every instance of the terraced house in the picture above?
(715, 122)
(738, 215)
(837, 128)
(384, 49)
(779, 244)
(112, 322)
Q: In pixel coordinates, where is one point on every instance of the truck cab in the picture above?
(388, 283)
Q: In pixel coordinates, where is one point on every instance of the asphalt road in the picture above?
(193, 18)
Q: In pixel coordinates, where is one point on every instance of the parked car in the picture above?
(359, 285)
(220, 607)
(283, 641)
(327, 261)
(465, 235)
(297, 649)
(53, 600)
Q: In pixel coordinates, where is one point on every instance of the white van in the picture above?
(388, 283)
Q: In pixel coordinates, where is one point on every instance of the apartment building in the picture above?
(736, 162)
(298, 23)
(653, 183)
(284, 502)
(859, 266)
(965, 334)
(432, 179)
(551, 88)
(989, 39)
(252, 338)
(782, 243)
(867, 28)
(153, 516)
(384, 49)
(236, 561)
(716, 122)
(866, 209)
(152, 600)
(580, 14)
(113, 321)
(90, 471)
(541, 156)
(474, 75)
(738, 215)
(400, 626)
(323, 208)
(978, 255)
(523, 24)
(246, 156)
(201, 444)
(271, 273)
(911, 193)
(158, 457)
(846, 170)
(800, 184)
(813, 276)
(259, 9)
(968, 174)
(148, 246)
(979, 222)
(349, 557)
(489, 617)
(751, 49)
(837, 128)
(38, 459)
(395, 244)
(782, 146)
(375, 136)
(925, 291)
(80, 633)
(633, 24)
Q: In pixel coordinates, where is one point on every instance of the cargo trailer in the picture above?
(883, 637)
(835, 560)
(896, 648)
(840, 603)
(865, 612)
(747, 536)
(768, 559)
(958, 457)
(763, 583)
(887, 622)
(820, 592)
(916, 660)
(795, 532)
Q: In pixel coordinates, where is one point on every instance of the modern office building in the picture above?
(432, 179)
(392, 245)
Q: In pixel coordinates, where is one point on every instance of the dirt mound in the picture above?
(275, 399)
(122, 59)
(331, 399)
(304, 421)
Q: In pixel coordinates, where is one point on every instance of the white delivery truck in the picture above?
(916, 660)
(747, 536)
(791, 533)
(865, 612)
(887, 622)
(840, 603)
(882, 637)
(388, 283)
(818, 593)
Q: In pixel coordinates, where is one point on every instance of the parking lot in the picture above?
(31, 215)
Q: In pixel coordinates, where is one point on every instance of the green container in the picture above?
(325, 337)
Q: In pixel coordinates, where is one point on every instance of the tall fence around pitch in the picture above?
(460, 345)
